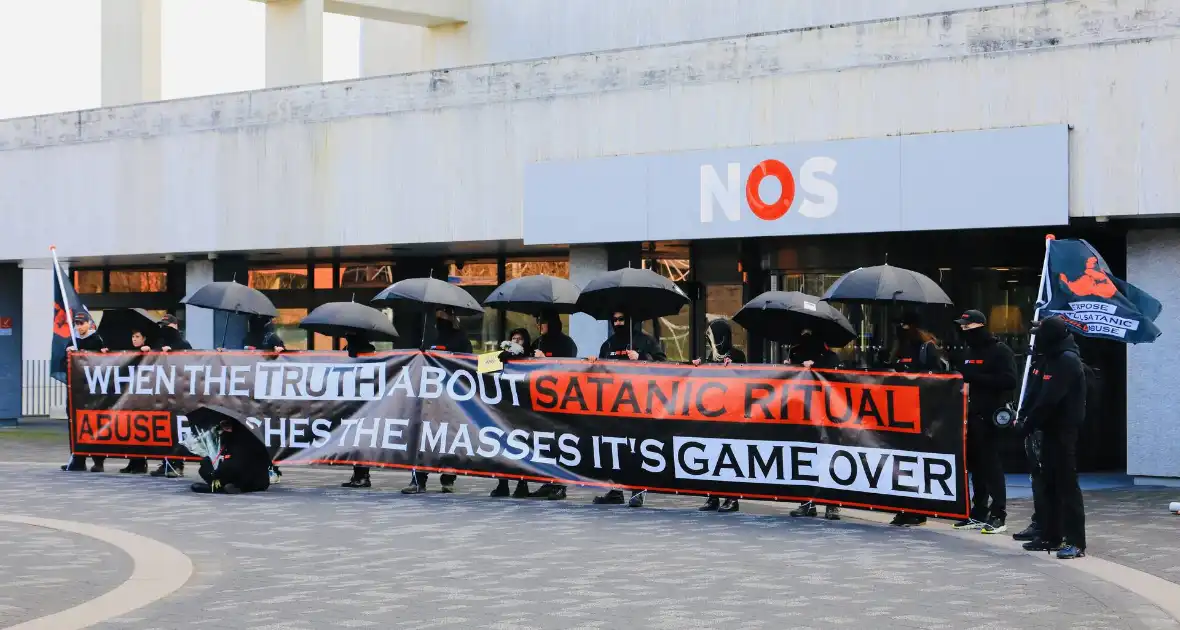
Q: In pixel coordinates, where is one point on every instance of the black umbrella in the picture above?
(781, 316)
(206, 417)
(886, 284)
(337, 319)
(426, 294)
(118, 323)
(232, 297)
(639, 293)
(533, 295)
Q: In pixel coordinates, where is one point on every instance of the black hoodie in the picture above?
(1056, 395)
(989, 369)
(262, 336)
(448, 338)
(722, 345)
(616, 346)
(555, 343)
(812, 348)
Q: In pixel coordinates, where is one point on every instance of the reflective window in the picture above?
(522, 268)
(322, 276)
(138, 281)
(279, 278)
(675, 331)
(377, 275)
(88, 281)
(475, 274)
(287, 327)
(722, 301)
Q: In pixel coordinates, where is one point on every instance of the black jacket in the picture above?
(1056, 395)
(263, 339)
(172, 338)
(616, 346)
(556, 343)
(989, 369)
(91, 343)
(820, 355)
(451, 340)
(918, 356)
(358, 347)
(244, 461)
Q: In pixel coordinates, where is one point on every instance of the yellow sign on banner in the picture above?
(489, 362)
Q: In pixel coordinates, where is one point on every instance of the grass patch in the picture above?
(40, 435)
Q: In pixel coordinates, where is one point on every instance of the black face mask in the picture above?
(975, 336)
(444, 324)
(619, 326)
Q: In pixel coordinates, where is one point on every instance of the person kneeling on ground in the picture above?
(244, 464)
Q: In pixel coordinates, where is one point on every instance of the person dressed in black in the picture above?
(627, 342)
(810, 351)
(516, 348)
(261, 335)
(137, 465)
(719, 348)
(1057, 407)
(243, 467)
(988, 367)
(448, 338)
(915, 350)
(552, 343)
(170, 340)
(88, 340)
(358, 346)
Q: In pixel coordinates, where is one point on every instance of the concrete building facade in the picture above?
(434, 159)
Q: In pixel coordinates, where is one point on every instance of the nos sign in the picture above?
(769, 190)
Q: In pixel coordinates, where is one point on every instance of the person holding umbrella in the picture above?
(628, 342)
(358, 345)
(811, 352)
(720, 349)
(552, 341)
(170, 339)
(137, 465)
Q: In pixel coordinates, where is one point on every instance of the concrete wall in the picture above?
(1153, 400)
(436, 157)
(509, 30)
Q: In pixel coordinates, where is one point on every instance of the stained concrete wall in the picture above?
(438, 157)
(1153, 400)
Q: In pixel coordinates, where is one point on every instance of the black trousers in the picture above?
(360, 472)
(228, 471)
(987, 471)
(446, 480)
(1062, 514)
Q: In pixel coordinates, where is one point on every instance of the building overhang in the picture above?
(427, 13)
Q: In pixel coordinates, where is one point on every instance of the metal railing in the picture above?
(41, 394)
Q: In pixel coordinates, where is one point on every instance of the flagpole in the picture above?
(64, 299)
(1044, 295)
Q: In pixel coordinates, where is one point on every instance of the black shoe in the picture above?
(1040, 544)
(613, 497)
(995, 525)
(358, 482)
(413, 489)
(636, 500)
(230, 488)
(522, 490)
(201, 487)
(1032, 532)
(76, 464)
(96, 468)
(501, 490)
(832, 512)
(134, 469)
(729, 505)
(556, 493)
(711, 505)
(908, 520)
(160, 471)
(807, 509)
(448, 488)
(1070, 552)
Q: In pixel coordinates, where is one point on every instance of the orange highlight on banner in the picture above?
(123, 427)
(844, 405)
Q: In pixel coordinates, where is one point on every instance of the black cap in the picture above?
(81, 317)
(169, 320)
(971, 317)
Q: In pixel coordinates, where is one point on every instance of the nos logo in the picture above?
(822, 195)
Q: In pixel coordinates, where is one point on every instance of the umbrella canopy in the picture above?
(639, 293)
(534, 295)
(427, 294)
(886, 284)
(232, 297)
(337, 319)
(117, 324)
(781, 316)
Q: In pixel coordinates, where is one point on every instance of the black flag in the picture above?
(1083, 291)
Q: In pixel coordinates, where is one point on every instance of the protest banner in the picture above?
(865, 439)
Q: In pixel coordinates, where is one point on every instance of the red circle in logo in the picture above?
(778, 208)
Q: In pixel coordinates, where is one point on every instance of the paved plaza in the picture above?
(309, 555)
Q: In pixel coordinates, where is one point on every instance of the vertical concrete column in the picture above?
(294, 42)
(11, 305)
(37, 334)
(387, 48)
(131, 55)
(198, 322)
(1153, 435)
(587, 332)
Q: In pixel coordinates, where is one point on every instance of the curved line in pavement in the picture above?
(159, 570)
(1163, 594)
